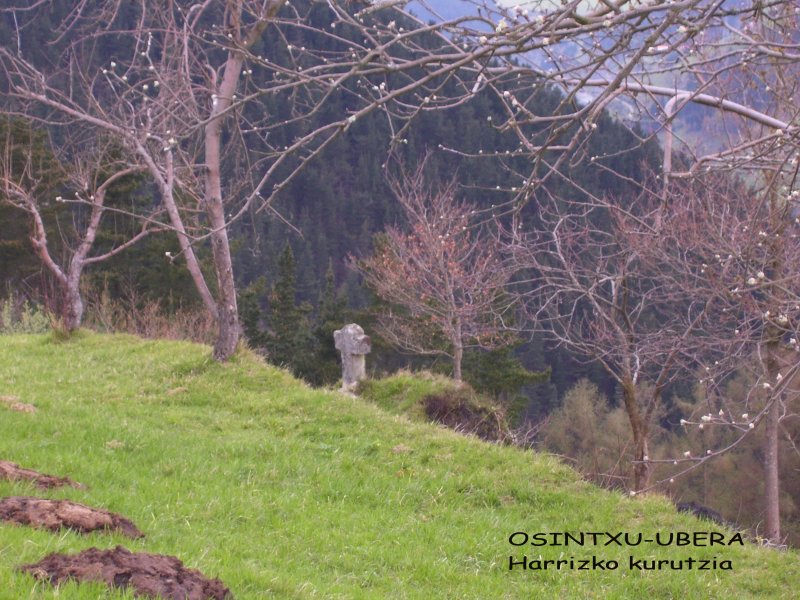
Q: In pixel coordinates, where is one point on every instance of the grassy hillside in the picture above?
(287, 492)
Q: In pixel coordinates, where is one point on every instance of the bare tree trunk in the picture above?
(228, 314)
(775, 271)
(772, 521)
(73, 302)
(229, 330)
(192, 264)
(227, 311)
(458, 349)
(772, 511)
(458, 356)
(641, 471)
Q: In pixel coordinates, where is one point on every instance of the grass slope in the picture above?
(287, 492)
(404, 392)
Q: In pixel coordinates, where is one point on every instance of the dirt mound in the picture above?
(466, 416)
(149, 575)
(704, 512)
(13, 472)
(55, 514)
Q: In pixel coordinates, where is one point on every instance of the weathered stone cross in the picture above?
(353, 345)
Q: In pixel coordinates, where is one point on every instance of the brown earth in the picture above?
(13, 403)
(55, 514)
(466, 416)
(149, 575)
(13, 472)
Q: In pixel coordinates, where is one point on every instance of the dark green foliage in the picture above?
(500, 374)
(17, 261)
(146, 269)
(332, 308)
(145, 272)
(285, 331)
(32, 164)
(250, 312)
(288, 340)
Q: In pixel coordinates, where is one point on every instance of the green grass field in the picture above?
(283, 491)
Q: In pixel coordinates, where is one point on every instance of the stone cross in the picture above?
(353, 345)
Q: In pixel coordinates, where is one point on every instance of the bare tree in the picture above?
(443, 275)
(647, 63)
(29, 174)
(735, 244)
(731, 238)
(187, 97)
(591, 293)
(741, 62)
(163, 99)
(702, 276)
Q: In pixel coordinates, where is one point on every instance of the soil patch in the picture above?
(13, 472)
(466, 416)
(55, 514)
(13, 403)
(704, 512)
(148, 575)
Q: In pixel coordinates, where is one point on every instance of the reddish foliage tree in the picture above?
(443, 276)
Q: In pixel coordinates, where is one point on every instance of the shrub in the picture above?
(147, 318)
(23, 317)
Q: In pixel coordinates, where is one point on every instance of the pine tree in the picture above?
(289, 341)
(500, 374)
(250, 312)
(284, 318)
(330, 317)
